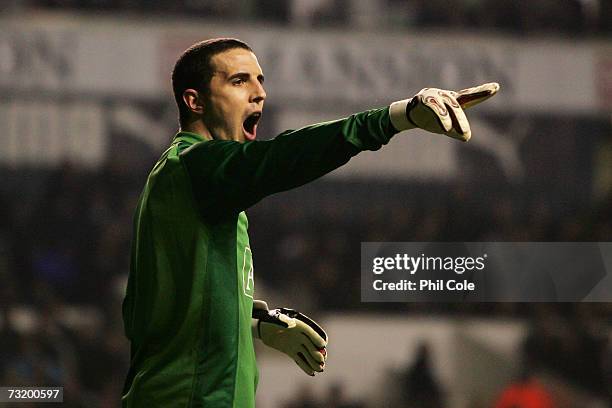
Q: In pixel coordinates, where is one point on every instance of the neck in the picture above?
(197, 127)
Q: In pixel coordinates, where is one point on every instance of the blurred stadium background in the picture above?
(86, 109)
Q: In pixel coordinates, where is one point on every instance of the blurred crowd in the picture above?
(69, 229)
(65, 232)
(572, 17)
(564, 362)
(65, 241)
(65, 237)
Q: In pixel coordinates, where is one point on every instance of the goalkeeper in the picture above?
(189, 311)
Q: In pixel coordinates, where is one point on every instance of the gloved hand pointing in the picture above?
(440, 111)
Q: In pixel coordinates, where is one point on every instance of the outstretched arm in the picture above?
(229, 176)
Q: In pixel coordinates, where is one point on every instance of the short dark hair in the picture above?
(193, 69)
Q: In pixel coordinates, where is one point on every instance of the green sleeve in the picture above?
(228, 176)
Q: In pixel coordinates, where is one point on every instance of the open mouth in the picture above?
(250, 125)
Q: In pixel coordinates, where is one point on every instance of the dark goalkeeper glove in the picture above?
(439, 111)
(293, 333)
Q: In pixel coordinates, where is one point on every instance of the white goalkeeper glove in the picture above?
(439, 111)
(293, 333)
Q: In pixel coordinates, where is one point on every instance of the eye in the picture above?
(238, 81)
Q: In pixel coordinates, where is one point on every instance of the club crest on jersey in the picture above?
(248, 276)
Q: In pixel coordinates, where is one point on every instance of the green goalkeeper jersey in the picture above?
(187, 309)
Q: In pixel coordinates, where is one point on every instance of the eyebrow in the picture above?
(245, 76)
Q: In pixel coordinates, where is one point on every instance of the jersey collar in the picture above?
(188, 137)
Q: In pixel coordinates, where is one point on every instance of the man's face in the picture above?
(235, 102)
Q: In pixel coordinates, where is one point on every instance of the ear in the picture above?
(193, 100)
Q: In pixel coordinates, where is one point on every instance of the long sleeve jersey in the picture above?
(187, 309)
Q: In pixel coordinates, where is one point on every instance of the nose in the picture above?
(259, 93)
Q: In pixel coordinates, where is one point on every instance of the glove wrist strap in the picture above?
(399, 115)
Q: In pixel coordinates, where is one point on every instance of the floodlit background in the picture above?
(86, 109)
